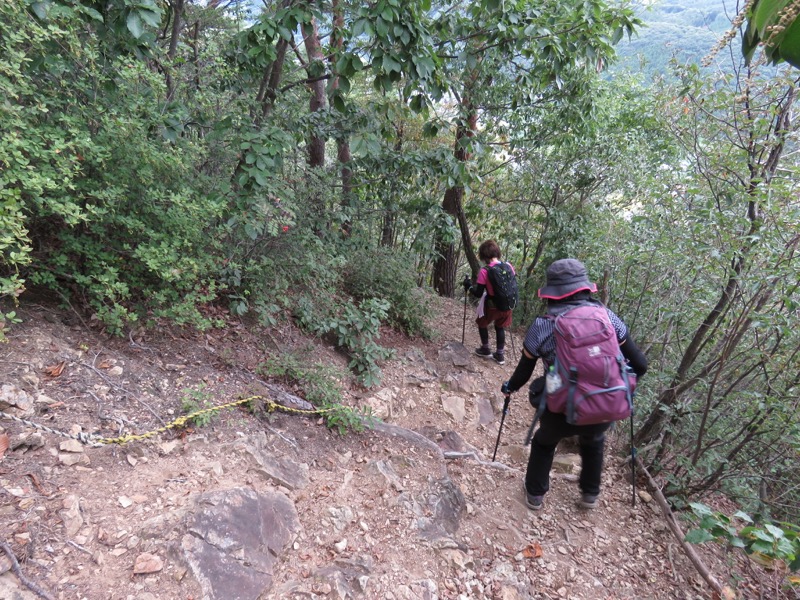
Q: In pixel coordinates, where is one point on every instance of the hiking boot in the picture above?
(483, 352)
(534, 502)
(499, 358)
(531, 501)
(588, 501)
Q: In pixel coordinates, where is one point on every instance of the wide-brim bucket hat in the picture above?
(564, 278)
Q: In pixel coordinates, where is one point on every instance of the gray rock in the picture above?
(508, 592)
(382, 404)
(9, 590)
(71, 446)
(447, 504)
(455, 407)
(15, 401)
(455, 353)
(385, 468)
(346, 578)
(458, 560)
(71, 515)
(419, 379)
(28, 441)
(233, 539)
(463, 383)
(451, 441)
(485, 411)
(341, 517)
(280, 470)
(424, 589)
(566, 463)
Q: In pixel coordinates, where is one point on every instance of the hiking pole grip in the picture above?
(502, 420)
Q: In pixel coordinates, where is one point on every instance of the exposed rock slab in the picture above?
(232, 540)
(456, 354)
(485, 411)
(15, 401)
(455, 406)
(279, 470)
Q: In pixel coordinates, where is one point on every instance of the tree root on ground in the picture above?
(719, 590)
(18, 572)
(450, 455)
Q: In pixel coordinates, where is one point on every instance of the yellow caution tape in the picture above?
(97, 441)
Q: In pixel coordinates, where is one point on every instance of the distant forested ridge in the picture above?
(682, 29)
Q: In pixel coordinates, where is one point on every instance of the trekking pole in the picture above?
(529, 435)
(464, 324)
(537, 415)
(513, 349)
(633, 465)
(502, 420)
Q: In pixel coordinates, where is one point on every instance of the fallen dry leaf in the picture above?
(725, 594)
(763, 560)
(533, 550)
(56, 370)
(4, 444)
(35, 481)
(728, 593)
(105, 365)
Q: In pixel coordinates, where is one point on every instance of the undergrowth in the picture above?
(319, 385)
(195, 400)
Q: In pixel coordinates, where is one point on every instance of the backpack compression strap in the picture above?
(573, 384)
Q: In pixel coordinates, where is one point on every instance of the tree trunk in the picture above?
(316, 143)
(444, 267)
(175, 34)
(195, 37)
(343, 142)
(272, 79)
(267, 94)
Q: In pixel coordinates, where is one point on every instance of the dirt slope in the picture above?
(411, 509)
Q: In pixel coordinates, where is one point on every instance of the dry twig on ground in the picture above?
(18, 572)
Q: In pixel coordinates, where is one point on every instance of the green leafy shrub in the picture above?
(319, 385)
(355, 329)
(120, 216)
(768, 540)
(388, 275)
(14, 254)
(196, 400)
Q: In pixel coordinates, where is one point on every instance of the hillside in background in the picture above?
(682, 29)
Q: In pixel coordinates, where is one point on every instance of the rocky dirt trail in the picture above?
(275, 505)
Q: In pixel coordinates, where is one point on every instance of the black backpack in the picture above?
(504, 284)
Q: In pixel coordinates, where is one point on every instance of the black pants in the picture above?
(553, 428)
(501, 337)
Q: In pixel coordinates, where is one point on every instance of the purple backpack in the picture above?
(589, 381)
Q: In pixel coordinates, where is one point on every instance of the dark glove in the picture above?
(504, 389)
(467, 283)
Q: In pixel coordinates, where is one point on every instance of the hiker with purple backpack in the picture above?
(590, 363)
(496, 286)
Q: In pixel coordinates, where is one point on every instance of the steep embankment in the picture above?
(273, 504)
